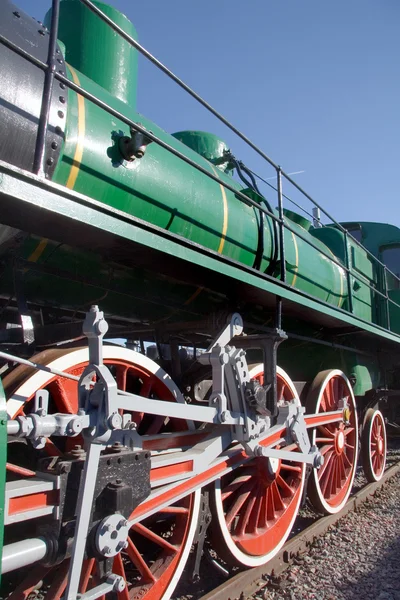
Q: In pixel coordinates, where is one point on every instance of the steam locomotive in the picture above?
(111, 455)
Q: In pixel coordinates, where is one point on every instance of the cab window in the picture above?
(356, 232)
(391, 258)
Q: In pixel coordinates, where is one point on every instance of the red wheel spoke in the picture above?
(278, 500)
(331, 487)
(20, 470)
(323, 440)
(59, 582)
(120, 376)
(173, 510)
(88, 567)
(51, 448)
(327, 432)
(326, 475)
(346, 459)
(29, 583)
(245, 516)
(139, 562)
(327, 461)
(256, 512)
(270, 505)
(344, 474)
(240, 500)
(64, 393)
(262, 517)
(348, 430)
(288, 491)
(324, 449)
(234, 485)
(286, 467)
(153, 537)
(338, 481)
(118, 568)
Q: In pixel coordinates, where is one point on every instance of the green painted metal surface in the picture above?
(162, 190)
(3, 460)
(94, 49)
(206, 144)
(25, 194)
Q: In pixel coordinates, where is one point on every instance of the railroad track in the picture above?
(245, 583)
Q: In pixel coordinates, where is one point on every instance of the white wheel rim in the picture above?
(237, 553)
(81, 355)
(377, 415)
(328, 507)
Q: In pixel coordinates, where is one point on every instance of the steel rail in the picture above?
(246, 582)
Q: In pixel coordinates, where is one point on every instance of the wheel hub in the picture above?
(273, 466)
(339, 441)
(380, 445)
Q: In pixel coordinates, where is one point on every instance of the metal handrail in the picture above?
(218, 115)
(51, 73)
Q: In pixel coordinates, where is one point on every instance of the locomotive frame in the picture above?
(249, 415)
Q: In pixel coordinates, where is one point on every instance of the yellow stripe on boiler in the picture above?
(223, 235)
(225, 221)
(76, 163)
(38, 251)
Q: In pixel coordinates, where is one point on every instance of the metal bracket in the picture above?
(95, 327)
(230, 379)
(133, 147)
(269, 343)
(202, 526)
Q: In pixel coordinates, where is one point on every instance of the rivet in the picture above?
(60, 114)
(62, 85)
(50, 161)
(57, 51)
(61, 71)
(62, 99)
(16, 14)
(41, 32)
(58, 130)
(54, 145)
(60, 60)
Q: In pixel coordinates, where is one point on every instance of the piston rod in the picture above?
(22, 553)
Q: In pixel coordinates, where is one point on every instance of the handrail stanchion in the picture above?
(281, 225)
(348, 271)
(278, 317)
(386, 288)
(38, 166)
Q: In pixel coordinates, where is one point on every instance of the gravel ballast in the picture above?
(358, 558)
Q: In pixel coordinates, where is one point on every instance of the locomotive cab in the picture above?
(383, 242)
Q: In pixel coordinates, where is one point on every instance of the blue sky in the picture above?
(315, 84)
